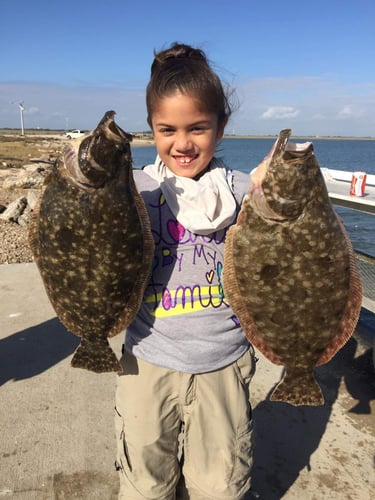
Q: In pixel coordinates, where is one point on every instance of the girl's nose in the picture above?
(183, 142)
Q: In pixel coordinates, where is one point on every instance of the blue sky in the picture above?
(304, 65)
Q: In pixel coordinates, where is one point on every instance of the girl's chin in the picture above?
(186, 170)
(191, 174)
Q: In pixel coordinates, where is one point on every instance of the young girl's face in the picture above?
(185, 135)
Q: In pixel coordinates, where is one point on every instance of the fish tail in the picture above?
(298, 390)
(96, 357)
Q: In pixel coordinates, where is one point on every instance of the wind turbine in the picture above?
(20, 105)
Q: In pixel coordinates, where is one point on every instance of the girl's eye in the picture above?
(166, 131)
(199, 129)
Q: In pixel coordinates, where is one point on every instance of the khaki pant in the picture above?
(153, 406)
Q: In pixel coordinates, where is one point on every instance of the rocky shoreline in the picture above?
(21, 178)
(20, 183)
(14, 225)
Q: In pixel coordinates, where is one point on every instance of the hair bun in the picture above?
(186, 70)
(176, 51)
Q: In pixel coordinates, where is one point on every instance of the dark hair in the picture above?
(184, 69)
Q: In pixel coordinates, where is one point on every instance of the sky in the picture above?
(308, 66)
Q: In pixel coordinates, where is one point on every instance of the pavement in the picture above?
(57, 430)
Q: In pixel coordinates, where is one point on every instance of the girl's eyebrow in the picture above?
(201, 122)
(162, 124)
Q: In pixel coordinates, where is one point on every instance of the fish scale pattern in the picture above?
(289, 274)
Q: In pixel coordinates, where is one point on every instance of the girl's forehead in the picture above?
(182, 103)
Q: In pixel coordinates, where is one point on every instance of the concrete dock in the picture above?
(57, 432)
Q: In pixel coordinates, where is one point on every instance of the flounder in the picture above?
(289, 270)
(91, 238)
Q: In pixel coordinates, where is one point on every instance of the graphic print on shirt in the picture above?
(178, 252)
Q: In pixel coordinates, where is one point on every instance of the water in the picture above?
(349, 155)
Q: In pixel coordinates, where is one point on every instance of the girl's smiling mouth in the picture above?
(184, 160)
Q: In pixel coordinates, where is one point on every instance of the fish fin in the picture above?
(96, 358)
(140, 283)
(352, 310)
(33, 232)
(298, 390)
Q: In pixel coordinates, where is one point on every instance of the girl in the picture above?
(183, 415)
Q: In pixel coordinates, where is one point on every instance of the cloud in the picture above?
(348, 113)
(32, 110)
(310, 105)
(279, 113)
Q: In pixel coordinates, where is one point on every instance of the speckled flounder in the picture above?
(91, 239)
(289, 271)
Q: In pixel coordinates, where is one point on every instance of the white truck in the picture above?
(73, 134)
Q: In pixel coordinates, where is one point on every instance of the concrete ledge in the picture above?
(57, 430)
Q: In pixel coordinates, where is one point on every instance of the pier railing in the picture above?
(338, 185)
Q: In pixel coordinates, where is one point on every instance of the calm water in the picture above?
(245, 154)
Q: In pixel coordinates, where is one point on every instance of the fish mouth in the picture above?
(281, 144)
(280, 167)
(70, 168)
(90, 161)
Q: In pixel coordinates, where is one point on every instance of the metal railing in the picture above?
(338, 185)
(365, 262)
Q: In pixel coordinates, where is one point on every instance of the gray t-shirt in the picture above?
(185, 322)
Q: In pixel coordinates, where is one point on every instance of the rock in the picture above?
(38, 167)
(23, 219)
(14, 210)
(32, 198)
(23, 181)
